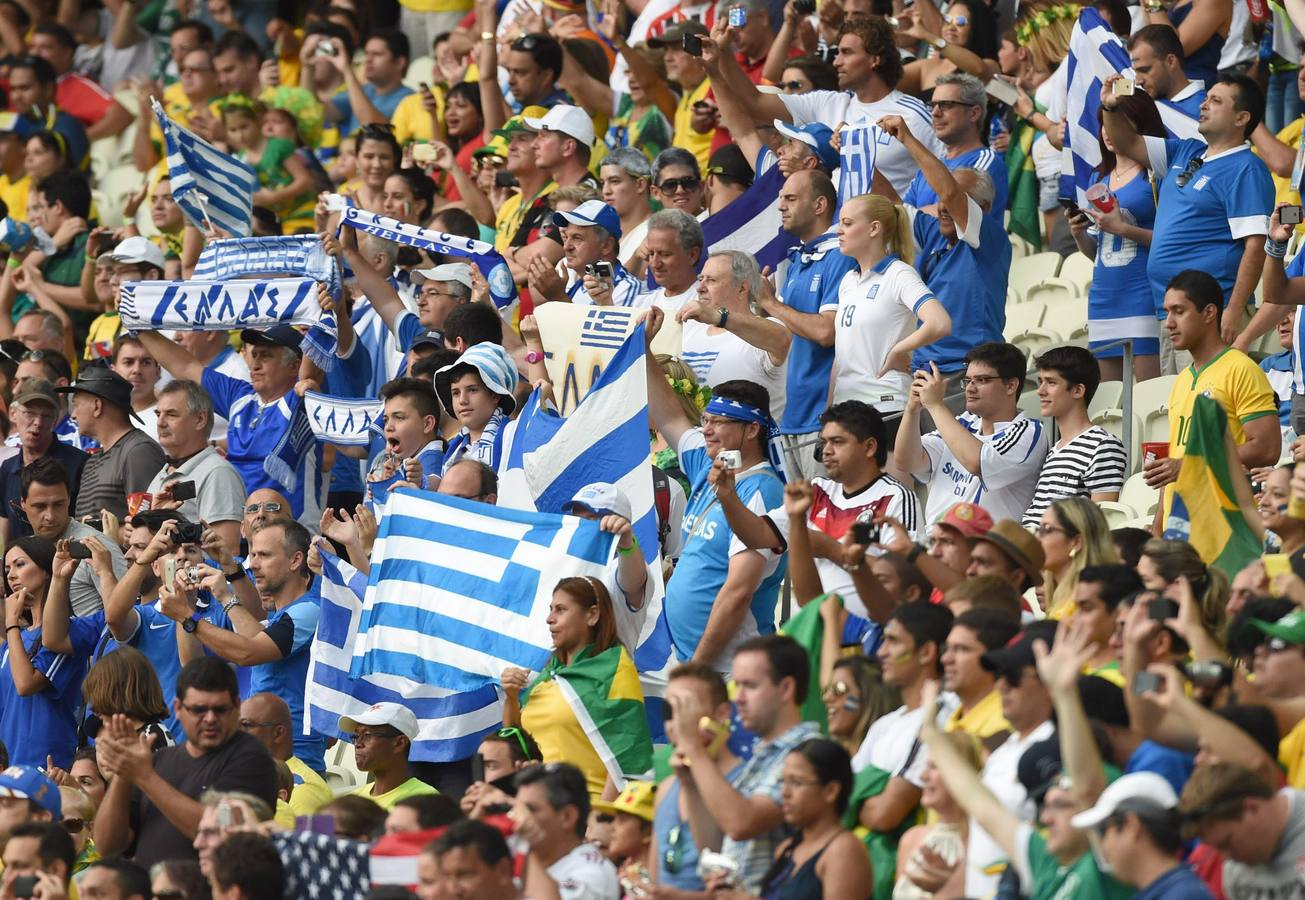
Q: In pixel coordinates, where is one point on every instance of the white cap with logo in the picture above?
(395, 715)
(569, 120)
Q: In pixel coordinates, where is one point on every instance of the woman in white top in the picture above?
(885, 311)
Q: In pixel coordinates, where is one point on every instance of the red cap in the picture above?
(970, 520)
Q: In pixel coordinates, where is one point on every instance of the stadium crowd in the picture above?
(919, 644)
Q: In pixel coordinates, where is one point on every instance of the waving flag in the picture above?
(605, 438)
(751, 222)
(341, 420)
(1206, 493)
(856, 160)
(207, 183)
(1096, 53)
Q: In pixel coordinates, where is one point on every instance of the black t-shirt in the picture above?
(242, 764)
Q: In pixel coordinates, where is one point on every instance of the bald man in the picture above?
(266, 717)
(470, 479)
(262, 507)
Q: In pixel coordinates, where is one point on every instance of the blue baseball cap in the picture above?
(815, 135)
(30, 783)
(591, 212)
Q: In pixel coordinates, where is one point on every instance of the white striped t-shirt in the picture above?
(1094, 462)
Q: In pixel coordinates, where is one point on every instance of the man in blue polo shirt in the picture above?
(1157, 56)
(278, 648)
(722, 593)
(1214, 205)
(806, 304)
(964, 254)
(261, 413)
(958, 110)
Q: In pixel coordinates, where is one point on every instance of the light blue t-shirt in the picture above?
(708, 547)
(1225, 198)
(385, 104)
(292, 629)
(155, 637)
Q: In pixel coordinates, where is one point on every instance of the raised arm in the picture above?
(666, 410)
(1119, 128)
(172, 356)
(1059, 669)
(726, 76)
(1207, 18)
(494, 107)
(56, 615)
(758, 331)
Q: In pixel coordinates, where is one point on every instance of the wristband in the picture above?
(12, 627)
(129, 220)
(628, 550)
(914, 553)
(13, 263)
(487, 36)
(236, 575)
(1276, 249)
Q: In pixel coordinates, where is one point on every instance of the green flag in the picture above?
(807, 627)
(1025, 219)
(871, 782)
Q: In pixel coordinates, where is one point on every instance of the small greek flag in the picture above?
(208, 185)
(856, 160)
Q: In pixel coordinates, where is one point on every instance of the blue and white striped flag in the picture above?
(605, 438)
(1096, 53)
(751, 223)
(206, 179)
(452, 723)
(856, 160)
(342, 420)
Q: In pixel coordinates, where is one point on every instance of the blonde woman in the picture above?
(885, 311)
(931, 858)
(1074, 535)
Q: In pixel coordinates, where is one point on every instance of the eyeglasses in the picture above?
(977, 380)
(946, 105)
(511, 732)
(250, 725)
(793, 85)
(1193, 166)
(720, 421)
(957, 20)
(798, 783)
(200, 711)
(673, 185)
(1044, 530)
(362, 737)
(73, 826)
(253, 508)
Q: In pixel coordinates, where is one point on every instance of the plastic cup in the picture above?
(1100, 196)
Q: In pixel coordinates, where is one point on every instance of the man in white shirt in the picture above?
(672, 248)
(551, 811)
(989, 455)
(723, 340)
(869, 67)
(626, 176)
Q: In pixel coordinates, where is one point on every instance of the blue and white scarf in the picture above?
(487, 449)
(300, 256)
(218, 305)
(342, 421)
(502, 288)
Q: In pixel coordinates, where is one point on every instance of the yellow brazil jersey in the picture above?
(437, 5)
(1110, 672)
(507, 222)
(983, 720)
(1236, 382)
(1291, 755)
(697, 144)
(310, 790)
(410, 788)
(551, 721)
(412, 122)
(1282, 191)
(14, 194)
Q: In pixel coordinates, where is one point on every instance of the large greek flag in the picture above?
(458, 592)
(1096, 53)
(605, 438)
(206, 180)
(751, 222)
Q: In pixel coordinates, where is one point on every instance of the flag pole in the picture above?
(203, 207)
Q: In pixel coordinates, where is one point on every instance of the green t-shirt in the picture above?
(1044, 878)
(410, 788)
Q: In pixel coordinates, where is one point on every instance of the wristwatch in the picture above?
(189, 625)
(534, 356)
(233, 577)
(487, 36)
(939, 43)
(723, 316)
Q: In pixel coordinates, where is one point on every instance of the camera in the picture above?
(78, 550)
(693, 44)
(732, 459)
(602, 270)
(188, 533)
(326, 48)
(182, 490)
(865, 533)
(505, 179)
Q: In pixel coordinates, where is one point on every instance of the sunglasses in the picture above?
(958, 20)
(253, 508)
(199, 710)
(793, 85)
(510, 733)
(673, 185)
(1193, 166)
(73, 826)
(947, 105)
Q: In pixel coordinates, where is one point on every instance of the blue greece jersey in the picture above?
(920, 194)
(292, 628)
(1295, 270)
(1200, 225)
(1119, 300)
(155, 637)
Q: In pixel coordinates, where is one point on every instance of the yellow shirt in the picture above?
(436, 5)
(410, 788)
(412, 122)
(1110, 672)
(549, 719)
(14, 194)
(310, 792)
(697, 144)
(510, 215)
(1291, 755)
(983, 720)
(1282, 190)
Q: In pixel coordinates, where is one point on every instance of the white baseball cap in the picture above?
(569, 120)
(459, 272)
(602, 499)
(1136, 792)
(137, 249)
(395, 715)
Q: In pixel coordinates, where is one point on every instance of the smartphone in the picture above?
(423, 153)
(505, 179)
(1071, 208)
(96, 521)
(170, 575)
(738, 17)
(865, 533)
(1124, 87)
(693, 44)
(732, 459)
(183, 490)
(1161, 609)
(24, 885)
(1208, 674)
(1002, 91)
(1147, 683)
(720, 733)
(1289, 215)
(78, 550)
(478, 768)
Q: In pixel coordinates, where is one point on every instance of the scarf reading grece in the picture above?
(502, 288)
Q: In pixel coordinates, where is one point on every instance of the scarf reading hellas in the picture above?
(502, 288)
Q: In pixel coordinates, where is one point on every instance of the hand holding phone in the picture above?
(693, 45)
(1147, 683)
(182, 490)
(1290, 215)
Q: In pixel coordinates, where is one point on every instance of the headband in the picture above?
(743, 412)
(697, 394)
(1041, 19)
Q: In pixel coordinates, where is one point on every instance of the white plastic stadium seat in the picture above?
(1107, 397)
(1139, 497)
(1052, 290)
(1117, 514)
(1034, 340)
(1067, 314)
(420, 69)
(1027, 271)
(1151, 403)
(1077, 269)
